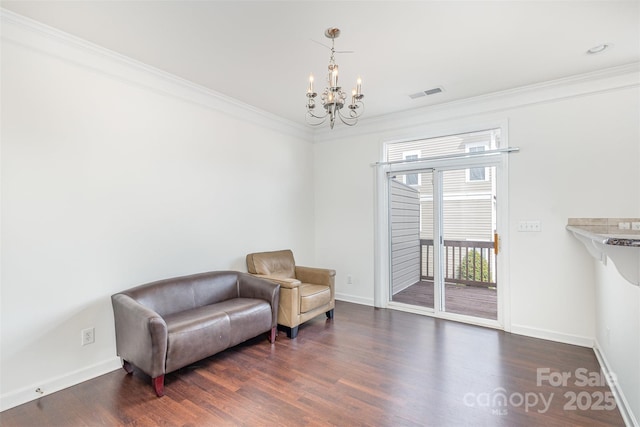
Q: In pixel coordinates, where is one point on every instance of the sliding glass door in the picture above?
(443, 229)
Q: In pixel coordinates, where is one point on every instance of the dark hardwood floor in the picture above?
(459, 299)
(366, 367)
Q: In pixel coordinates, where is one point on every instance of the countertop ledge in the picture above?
(603, 238)
(608, 235)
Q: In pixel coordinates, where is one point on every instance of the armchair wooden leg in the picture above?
(330, 314)
(128, 367)
(291, 332)
(273, 334)
(158, 385)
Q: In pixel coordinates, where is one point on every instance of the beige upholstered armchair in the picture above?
(305, 292)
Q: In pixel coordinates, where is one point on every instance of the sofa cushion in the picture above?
(164, 296)
(170, 296)
(248, 317)
(195, 334)
(226, 287)
(313, 296)
(200, 332)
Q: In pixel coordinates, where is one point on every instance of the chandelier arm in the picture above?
(353, 112)
(349, 121)
(310, 123)
(323, 117)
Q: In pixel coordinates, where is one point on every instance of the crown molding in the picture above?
(605, 80)
(34, 35)
(29, 33)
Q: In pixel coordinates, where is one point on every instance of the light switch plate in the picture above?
(530, 226)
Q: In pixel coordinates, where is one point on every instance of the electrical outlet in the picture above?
(624, 226)
(635, 226)
(349, 280)
(88, 336)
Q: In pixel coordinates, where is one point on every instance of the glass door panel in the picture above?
(411, 228)
(468, 225)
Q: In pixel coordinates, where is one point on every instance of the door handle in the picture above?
(496, 242)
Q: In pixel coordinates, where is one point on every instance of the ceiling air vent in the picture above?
(425, 93)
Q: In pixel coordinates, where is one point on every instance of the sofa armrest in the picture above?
(141, 335)
(317, 276)
(284, 282)
(253, 287)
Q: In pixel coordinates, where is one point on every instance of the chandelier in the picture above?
(334, 98)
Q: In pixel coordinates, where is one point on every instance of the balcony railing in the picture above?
(466, 262)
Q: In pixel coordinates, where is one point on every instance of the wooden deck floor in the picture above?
(467, 300)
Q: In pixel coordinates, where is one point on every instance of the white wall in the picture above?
(618, 331)
(107, 184)
(578, 158)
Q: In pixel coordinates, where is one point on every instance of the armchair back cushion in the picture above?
(276, 264)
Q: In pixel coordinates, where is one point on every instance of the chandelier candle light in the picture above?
(333, 98)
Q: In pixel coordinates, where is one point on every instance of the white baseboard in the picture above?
(29, 393)
(623, 404)
(354, 299)
(552, 336)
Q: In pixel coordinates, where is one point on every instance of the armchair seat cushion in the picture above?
(313, 296)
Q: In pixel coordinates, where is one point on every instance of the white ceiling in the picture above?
(261, 52)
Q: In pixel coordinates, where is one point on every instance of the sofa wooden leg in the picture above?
(158, 385)
(273, 334)
(128, 367)
(330, 314)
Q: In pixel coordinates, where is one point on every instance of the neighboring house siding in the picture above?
(405, 235)
(467, 220)
(464, 220)
(467, 204)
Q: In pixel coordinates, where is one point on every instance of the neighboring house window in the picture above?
(411, 178)
(480, 173)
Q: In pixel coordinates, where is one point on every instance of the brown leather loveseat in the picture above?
(166, 325)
